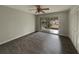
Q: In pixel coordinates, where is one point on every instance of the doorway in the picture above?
(50, 25)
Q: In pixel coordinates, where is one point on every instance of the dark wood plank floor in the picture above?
(39, 43)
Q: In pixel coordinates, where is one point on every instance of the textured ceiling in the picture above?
(53, 8)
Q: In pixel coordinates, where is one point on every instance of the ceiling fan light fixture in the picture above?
(39, 9)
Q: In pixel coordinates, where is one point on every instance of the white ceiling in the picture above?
(53, 8)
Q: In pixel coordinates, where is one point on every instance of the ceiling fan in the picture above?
(39, 9)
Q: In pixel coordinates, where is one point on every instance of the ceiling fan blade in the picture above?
(42, 11)
(45, 8)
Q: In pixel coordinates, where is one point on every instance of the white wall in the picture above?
(63, 18)
(14, 24)
(74, 26)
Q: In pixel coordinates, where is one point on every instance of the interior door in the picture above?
(75, 27)
(78, 30)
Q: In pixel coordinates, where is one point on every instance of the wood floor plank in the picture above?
(39, 43)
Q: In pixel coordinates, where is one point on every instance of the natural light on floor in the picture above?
(54, 31)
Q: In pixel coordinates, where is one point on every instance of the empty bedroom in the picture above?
(39, 29)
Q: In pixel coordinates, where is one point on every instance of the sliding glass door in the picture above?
(50, 25)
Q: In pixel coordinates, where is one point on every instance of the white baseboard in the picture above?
(14, 38)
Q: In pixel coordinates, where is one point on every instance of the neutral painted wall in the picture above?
(63, 18)
(14, 24)
(74, 26)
